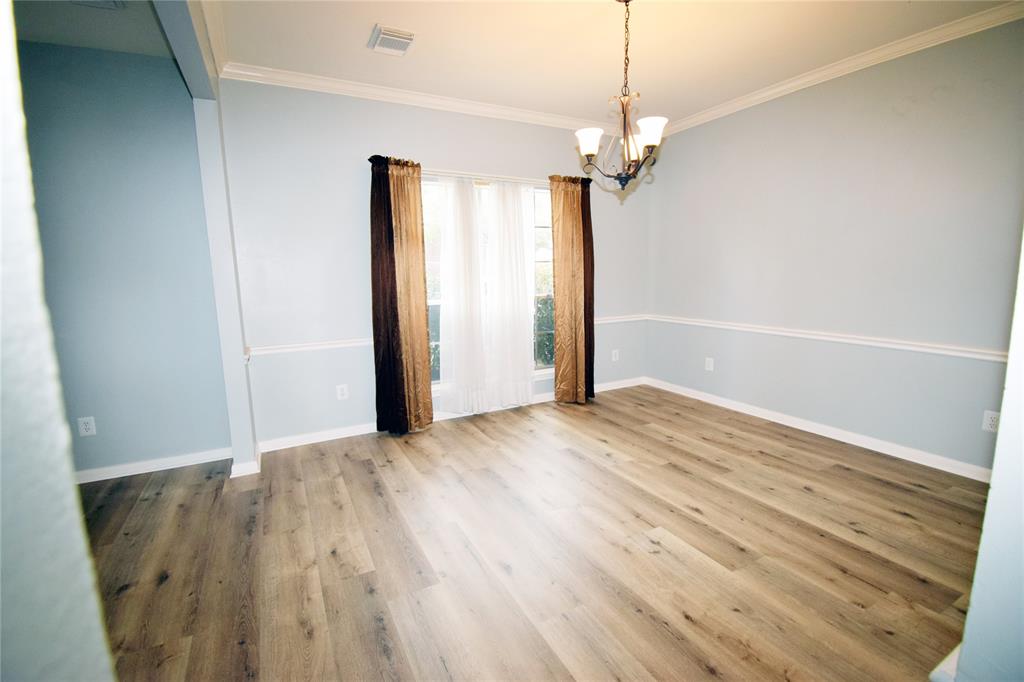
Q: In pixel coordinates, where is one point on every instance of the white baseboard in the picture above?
(245, 469)
(928, 459)
(316, 437)
(886, 447)
(621, 383)
(150, 465)
(946, 671)
(360, 429)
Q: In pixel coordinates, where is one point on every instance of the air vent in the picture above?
(392, 41)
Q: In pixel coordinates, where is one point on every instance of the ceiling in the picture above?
(131, 28)
(565, 58)
(558, 58)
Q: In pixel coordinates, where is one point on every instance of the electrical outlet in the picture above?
(341, 390)
(990, 421)
(615, 355)
(709, 364)
(86, 426)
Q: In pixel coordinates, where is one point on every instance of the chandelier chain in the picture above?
(625, 60)
(639, 147)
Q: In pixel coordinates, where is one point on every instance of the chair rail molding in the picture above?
(967, 352)
(309, 346)
(951, 350)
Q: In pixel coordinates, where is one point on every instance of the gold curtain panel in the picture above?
(573, 246)
(401, 341)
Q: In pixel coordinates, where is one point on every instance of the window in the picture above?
(434, 212)
(437, 207)
(544, 300)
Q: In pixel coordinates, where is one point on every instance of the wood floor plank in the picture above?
(364, 639)
(154, 567)
(772, 531)
(589, 650)
(502, 642)
(398, 561)
(225, 639)
(107, 505)
(294, 639)
(644, 535)
(162, 663)
(339, 536)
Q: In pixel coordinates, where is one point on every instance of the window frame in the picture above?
(546, 371)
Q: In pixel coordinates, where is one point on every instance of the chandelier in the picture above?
(638, 142)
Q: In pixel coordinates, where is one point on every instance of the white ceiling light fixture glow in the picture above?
(638, 142)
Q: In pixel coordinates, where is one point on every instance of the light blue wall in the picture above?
(127, 265)
(300, 187)
(994, 633)
(51, 625)
(885, 203)
(929, 402)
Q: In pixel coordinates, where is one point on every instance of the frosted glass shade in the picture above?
(590, 140)
(651, 128)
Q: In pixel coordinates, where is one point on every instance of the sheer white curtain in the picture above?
(486, 348)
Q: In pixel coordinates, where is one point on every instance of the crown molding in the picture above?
(337, 86)
(959, 28)
(974, 23)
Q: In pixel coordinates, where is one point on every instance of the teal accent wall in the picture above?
(127, 265)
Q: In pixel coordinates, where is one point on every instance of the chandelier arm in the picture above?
(594, 166)
(647, 157)
(623, 177)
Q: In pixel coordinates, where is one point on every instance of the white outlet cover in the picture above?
(990, 421)
(709, 364)
(341, 390)
(615, 355)
(86, 426)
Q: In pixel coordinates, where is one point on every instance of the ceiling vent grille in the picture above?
(393, 41)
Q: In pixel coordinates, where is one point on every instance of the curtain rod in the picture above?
(483, 176)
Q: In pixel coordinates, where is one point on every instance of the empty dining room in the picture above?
(407, 340)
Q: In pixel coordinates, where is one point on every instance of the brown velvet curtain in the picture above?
(401, 345)
(573, 242)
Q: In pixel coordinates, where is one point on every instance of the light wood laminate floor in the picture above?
(645, 535)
